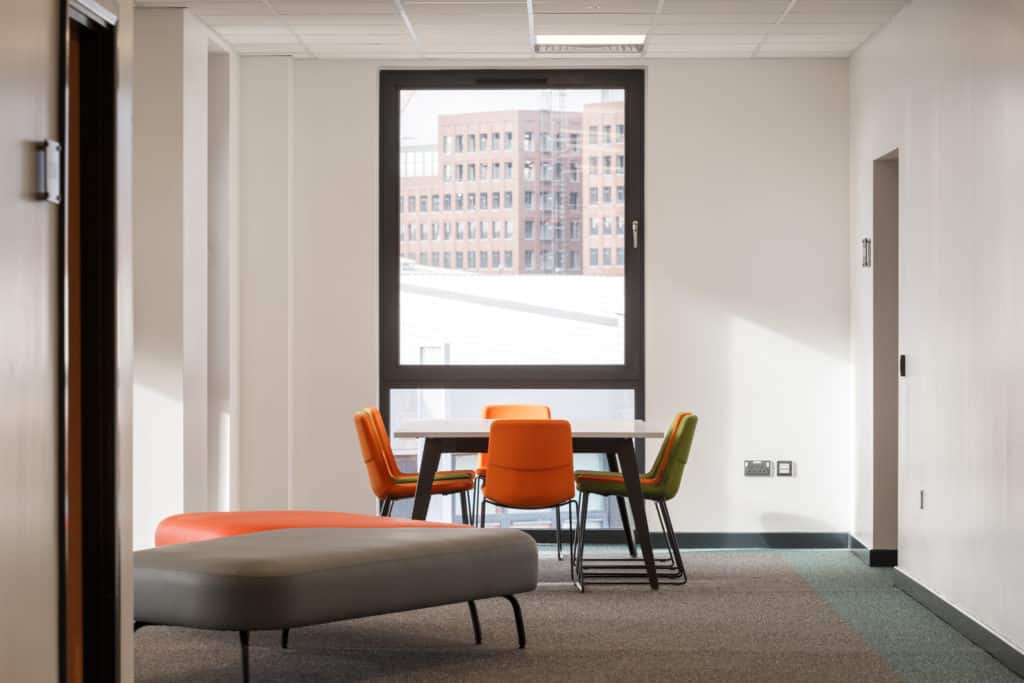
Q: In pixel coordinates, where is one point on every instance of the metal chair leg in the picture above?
(582, 530)
(520, 628)
(673, 542)
(464, 501)
(558, 532)
(476, 623)
(483, 511)
(284, 639)
(243, 637)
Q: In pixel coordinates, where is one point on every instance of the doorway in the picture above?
(884, 259)
(90, 600)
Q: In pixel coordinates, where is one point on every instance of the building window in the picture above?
(594, 196)
(509, 170)
(483, 169)
(459, 201)
(528, 230)
(508, 229)
(593, 165)
(483, 142)
(483, 259)
(447, 260)
(607, 165)
(528, 259)
(545, 261)
(495, 259)
(435, 202)
(447, 230)
(412, 203)
(620, 194)
(545, 200)
(471, 259)
(572, 260)
(435, 259)
(574, 172)
(483, 200)
(471, 172)
(447, 202)
(508, 140)
(411, 231)
(447, 144)
(471, 143)
(423, 259)
(574, 230)
(496, 200)
(620, 224)
(447, 172)
(559, 260)
(458, 173)
(458, 143)
(592, 134)
(574, 200)
(607, 254)
(496, 170)
(423, 231)
(471, 201)
(508, 259)
(496, 230)
(546, 171)
(458, 254)
(471, 230)
(620, 256)
(574, 142)
(423, 202)
(606, 194)
(607, 225)
(528, 141)
(545, 231)
(620, 132)
(620, 164)
(528, 173)
(459, 232)
(607, 135)
(528, 199)
(594, 226)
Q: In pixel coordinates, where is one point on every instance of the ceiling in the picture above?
(503, 29)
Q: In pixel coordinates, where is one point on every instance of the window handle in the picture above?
(636, 233)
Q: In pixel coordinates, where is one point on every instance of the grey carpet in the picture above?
(744, 616)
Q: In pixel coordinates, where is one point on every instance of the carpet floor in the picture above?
(744, 616)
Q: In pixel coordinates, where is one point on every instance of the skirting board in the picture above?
(713, 540)
(872, 557)
(1008, 655)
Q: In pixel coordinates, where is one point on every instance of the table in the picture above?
(612, 437)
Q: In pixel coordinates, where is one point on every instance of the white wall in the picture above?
(170, 473)
(944, 83)
(748, 294)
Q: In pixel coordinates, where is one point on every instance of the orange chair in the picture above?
(530, 467)
(508, 411)
(388, 482)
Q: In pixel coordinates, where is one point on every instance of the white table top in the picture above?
(479, 428)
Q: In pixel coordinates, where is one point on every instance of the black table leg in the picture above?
(613, 466)
(631, 476)
(428, 468)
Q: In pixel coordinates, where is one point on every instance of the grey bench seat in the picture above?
(299, 577)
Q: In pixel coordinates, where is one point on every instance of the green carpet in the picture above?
(745, 616)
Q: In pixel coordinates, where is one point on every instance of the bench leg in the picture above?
(243, 637)
(284, 639)
(476, 623)
(520, 629)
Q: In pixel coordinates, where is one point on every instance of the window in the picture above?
(620, 164)
(435, 202)
(594, 225)
(546, 171)
(607, 135)
(447, 146)
(593, 165)
(447, 231)
(483, 200)
(423, 231)
(471, 201)
(447, 202)
(423, 259)
(470, 143)
(508, 326)
(459, 232)
(620, 132)
(620, 194)
(620, 224)
(528, 141)
(471, 172)
(620, 256)
(412, 203)
(607, 254)
(471, 230)
(607, 223)
(458, 173)
(411, 231)
(483, 142)
(607, 165)
(423, 202)
(545, 201)
(594, 196)
(483, 169)
(528, 173)
(447, 260)
(496, 200)
(593, 134)
(458, 143)
(495, 141)
(496, 230)
(447, 172)
(606, 194)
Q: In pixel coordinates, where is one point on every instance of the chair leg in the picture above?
(284, 639)
(558, 532)
(243, 637)
(385, 507)
(464, 501)
(476, 623)
(582, 530)
(673, 542)
(572, 542)
(520, 628)
(483, 512)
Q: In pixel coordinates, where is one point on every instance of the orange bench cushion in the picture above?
(203, 526)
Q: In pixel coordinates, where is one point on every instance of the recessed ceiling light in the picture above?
(591, 43)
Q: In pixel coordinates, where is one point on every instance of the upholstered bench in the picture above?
(300, 577)
(203, 526)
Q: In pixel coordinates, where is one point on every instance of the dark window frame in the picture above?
(394, 375)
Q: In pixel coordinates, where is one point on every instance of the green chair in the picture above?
(659, 484)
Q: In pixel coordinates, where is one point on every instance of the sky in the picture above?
(420, 108)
